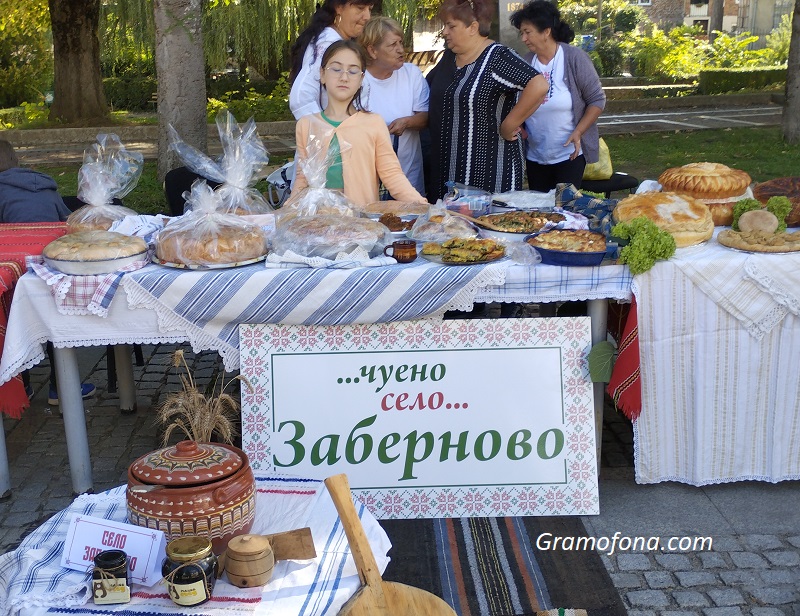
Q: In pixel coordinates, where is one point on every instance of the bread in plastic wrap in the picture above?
(207, 236)
(327, 236)
(438, 225)
(109, 171)
(315, 199)
(241, 165)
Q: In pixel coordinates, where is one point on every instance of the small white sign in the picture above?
(88, 536)
(428, 418)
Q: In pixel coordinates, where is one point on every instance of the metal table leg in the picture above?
(125, 384)
(598, 313)
(5, 475)
(71, 402)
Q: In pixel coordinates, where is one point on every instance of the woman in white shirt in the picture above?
(333, 20)
(397, 91)
(562, 132)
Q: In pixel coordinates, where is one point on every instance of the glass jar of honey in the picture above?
(110, 579)
(190, 570)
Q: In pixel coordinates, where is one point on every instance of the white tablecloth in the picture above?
(32, 581)
(720, 386)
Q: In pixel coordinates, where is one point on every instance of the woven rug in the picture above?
(492, 567)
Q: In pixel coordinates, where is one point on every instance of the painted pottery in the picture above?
(204, 489)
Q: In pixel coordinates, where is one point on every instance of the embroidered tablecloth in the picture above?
(32, 581)
(720, 393)
(18, 241)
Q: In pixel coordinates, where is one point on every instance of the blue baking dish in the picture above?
(561, 257)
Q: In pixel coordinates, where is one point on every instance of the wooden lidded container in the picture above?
(249, 561)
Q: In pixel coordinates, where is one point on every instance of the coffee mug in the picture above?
(405, 251)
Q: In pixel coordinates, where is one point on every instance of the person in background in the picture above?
(333, 20)
(481, 93)
(27, 195)
(562, 133)
(30, 196)
(397, 91)
(369, 157)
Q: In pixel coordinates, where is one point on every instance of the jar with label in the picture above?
(189, 570)
(110, 580)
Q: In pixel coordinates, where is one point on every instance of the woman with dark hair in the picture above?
(481, 93)
(562, 134)
(356, 141)
(333, 20)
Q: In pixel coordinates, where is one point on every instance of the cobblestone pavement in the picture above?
(753, 568)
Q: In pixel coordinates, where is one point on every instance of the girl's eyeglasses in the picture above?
(338, 72)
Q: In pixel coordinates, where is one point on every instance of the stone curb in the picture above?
(285, 129)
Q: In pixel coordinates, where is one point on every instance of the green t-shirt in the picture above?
(334, 178)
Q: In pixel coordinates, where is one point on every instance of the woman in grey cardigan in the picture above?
(562, 132)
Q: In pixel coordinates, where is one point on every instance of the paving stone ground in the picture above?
(742, 575)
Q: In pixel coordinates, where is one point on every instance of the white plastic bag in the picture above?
(243, 163)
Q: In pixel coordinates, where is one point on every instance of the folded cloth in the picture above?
(17, 241)
(625, 385)
(81, 294)
(595, 210)
(143, 225)
(31, 576)
(344, 260)
(741, 294)
(783, 288)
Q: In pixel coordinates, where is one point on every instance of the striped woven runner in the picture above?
(491, 567)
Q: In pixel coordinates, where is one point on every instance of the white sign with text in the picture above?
(87, 536)
(428, 418)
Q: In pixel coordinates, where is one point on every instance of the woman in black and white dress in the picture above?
(481, 94)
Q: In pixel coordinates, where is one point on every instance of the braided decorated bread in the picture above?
(715, 184)
(782, 187)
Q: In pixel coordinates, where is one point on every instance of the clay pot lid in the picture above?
(187, 464)
(248, 545)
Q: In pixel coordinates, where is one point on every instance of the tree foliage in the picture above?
(26, 60)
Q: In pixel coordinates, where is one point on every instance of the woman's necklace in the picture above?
(549, 75)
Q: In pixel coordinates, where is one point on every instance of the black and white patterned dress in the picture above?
(467, 106)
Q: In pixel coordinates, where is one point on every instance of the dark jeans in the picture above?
(543, 178)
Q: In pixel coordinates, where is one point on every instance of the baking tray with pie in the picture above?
(574, 258)
(728, 238)
(93, 267)
(213, 266)
(438, 259)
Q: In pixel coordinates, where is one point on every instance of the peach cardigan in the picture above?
(369, 159)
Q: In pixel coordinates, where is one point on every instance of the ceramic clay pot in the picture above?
(204, 489)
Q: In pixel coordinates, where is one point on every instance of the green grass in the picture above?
(760, 152)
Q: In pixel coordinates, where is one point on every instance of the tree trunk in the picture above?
(181, 77)
(791, 106)
(716, 11)
(78, 93)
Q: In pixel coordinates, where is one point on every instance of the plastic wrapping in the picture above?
(316, 199)
(328, 235)
(467, 200)
(438, 225)
(207, 236)
(243, 162)
(109, 171)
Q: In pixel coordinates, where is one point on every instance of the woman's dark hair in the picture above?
(321, 19)
(362, 59)
(544, 14)
(467, 11)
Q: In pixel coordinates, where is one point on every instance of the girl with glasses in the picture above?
(358, 140)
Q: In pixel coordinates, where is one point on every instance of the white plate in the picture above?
(92, 268)
(506, 236)
(155, 259)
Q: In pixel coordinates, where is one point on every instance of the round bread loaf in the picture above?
(211, 246)
(688, 220)
(758, 220)
(96, 217)
(715, 184)
(782, 187)
(94, 245)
